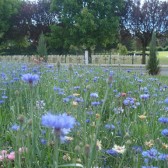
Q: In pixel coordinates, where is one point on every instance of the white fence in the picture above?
(78, 59)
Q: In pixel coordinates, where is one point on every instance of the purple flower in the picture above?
(112, 152)
(61, 123)
(151, 154)
(137, 149)
(144, 96)
(128, 101)
(110, 126)
(95, 95)
(66, 100)
(163, 156)
(95, 103)
(2, 101)
(57, 89)
(4, 97)
(15, 127)
(31, 79)
(165, 132)
(163, 120)
(76, 87)
(43, 141)
(79, 99)
(166, 100)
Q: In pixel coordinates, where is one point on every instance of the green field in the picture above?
(163, 57)
(82, 116)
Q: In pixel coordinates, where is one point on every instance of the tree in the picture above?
(28, 23)
(153, 63)
(7, 9)
(41, 48)
(122, 49)
(87, 23)
(142, 20)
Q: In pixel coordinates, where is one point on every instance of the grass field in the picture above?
(163, 57)
(81, 116)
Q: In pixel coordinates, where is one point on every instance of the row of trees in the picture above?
(84, 24)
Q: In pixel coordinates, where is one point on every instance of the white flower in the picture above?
(40, 104)
(119, 149)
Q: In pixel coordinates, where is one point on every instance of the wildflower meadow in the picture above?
(81, 116)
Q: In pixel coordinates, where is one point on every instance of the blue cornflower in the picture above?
(3, 76)
(166, 100)
(61, 123)
(70, 96)
(128, 101)
(163, 156)
(4, 97)
(95, 79)
(24, 67)
(57, 88)
(2, 101)
(79, 99)
(76, 87)
(50, 66)
(95, 95)
(16, 79)
(137, 149)
(66, 100)
(95, 103)
(31, 79)
(43, 141)
(140, 80)
(144, 96)
(163, 120)
(110, 126)
(112, 152)
(151, 154)
(15, 127)
(165, 132)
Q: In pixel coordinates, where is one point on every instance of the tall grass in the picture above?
(116, 117)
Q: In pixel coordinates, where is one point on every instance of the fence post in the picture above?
(86, 57)
(133, 55)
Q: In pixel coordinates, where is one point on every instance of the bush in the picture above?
(166, 48)
(160, 48)
(153, 63)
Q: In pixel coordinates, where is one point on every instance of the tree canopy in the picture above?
(7, 9)
(143, 19)
(81, 25)
(86, 23)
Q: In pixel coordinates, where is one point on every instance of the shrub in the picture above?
(153, 63)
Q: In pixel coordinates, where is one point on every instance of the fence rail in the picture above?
(79, 59)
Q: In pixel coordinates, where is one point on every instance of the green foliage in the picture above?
(122, 49)
(41, 48)
(129, 121)
(153, 63)
(7, 9)
(86, 23)
(142, 19)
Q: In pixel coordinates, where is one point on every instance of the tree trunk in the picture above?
(89, 56)
(143, 55)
